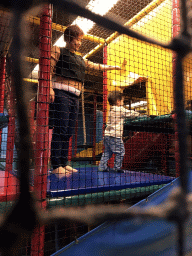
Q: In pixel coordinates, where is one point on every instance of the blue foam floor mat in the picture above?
(90, 180)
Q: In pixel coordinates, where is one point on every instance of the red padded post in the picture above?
(2, 86)
(42, 132)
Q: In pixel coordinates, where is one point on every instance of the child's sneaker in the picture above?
(105, 170)
(117, 170)
(120, 171)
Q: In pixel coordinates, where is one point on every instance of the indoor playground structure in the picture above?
(140, 37)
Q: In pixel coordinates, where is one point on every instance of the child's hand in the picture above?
(142, 111)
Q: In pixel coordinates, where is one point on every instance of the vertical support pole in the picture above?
(94, 125)
(104, 89)
(105, 93)
(2, 83)
(2, 88)
(175, 32)
(42, 133)
(33, 123)
(181, 129)
(10, 143)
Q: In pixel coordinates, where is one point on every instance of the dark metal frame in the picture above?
(15, 226)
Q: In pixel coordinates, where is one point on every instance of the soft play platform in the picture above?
(86, 181)
(90, 180)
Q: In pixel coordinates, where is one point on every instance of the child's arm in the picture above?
(97, 66)
(130, 113)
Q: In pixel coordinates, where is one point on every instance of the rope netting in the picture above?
(95, 108)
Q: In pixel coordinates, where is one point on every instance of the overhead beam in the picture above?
(129, 23)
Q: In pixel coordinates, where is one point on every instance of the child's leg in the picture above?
(106, 154)
(119, 151)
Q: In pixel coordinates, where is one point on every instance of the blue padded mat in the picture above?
(133, 237)
(90, 180)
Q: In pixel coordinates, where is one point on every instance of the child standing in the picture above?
(113, 142)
